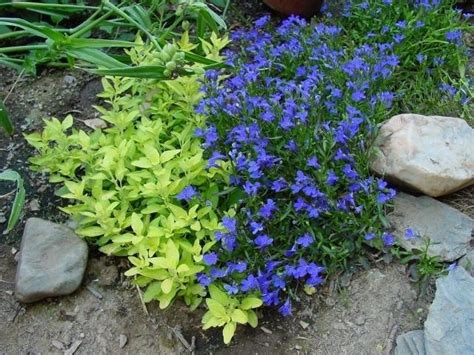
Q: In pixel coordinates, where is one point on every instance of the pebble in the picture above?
(122, 341)
(304, 324)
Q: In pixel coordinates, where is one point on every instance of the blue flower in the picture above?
(410, 234)
(203, 279)
(231, 289)
(369, 236)
(305, 240)
(250, 283)
(454, 35)
(263, 241)
(313, 162)
(187, 193)
(388, 239)
(262, 21)
(266, 211)
(230, 224)
(256, 227)
(285, 308)
(210, 258)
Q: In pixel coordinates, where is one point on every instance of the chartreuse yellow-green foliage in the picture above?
(123, 182)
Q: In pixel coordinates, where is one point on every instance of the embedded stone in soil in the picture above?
(447, 230)
(52, 261)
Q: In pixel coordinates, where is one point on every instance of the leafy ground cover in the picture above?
(293, 133)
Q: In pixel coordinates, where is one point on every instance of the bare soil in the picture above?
(364, 317)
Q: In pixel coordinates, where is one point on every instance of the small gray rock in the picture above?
(449, 328)
(52, 261)
(411, 343)
(448, 230)
(467, 262)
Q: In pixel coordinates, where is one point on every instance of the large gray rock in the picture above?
(449, 328)
(411, 343)
(430, 154)
(448, 230)
(467, 262)
(52, 261)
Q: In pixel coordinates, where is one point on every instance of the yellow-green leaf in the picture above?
(228, 332)
(168, 155)
(167, 285)
(90, 231)
(239, 316)
(251, 302)
(172, 254)
(252, 318)
(216, 308)
(218, 295)
(136, 223)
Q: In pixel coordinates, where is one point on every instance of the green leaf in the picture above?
(168, 155)
(5, 121)
(94, 56)
(19, 201)
(90, 231)
(252, 318)
(251, 302)
(96, 43)
(216, 308)
(172, 254)
(145, 71)
(228, 332)
(167, 285)
(136, 223)
(152, 292)
(36, 30)
(239, 316)
(166, 298)
(218, 295)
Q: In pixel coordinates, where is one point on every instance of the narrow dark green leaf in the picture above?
(96, 43)
(5, 121)
(36, 30)
(145, 72)
(196, 58)
(94, 56)
(19, 201)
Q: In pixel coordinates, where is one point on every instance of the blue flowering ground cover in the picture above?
(295, 115)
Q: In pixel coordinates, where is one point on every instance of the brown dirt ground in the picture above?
(364, 317)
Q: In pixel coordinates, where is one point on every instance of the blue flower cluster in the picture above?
(295, 119)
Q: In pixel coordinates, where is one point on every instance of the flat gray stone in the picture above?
(467, 262)
(449, 328)
(448, 230)
(52, 261)
(411, 343)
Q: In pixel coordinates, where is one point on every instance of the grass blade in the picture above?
(145, 72)
(94, 56)
(5, 121)
(97, 43)
(19, 201)
(36, 30)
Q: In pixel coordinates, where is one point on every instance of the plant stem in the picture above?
(23, 48)
(120, 12)
(78, 31)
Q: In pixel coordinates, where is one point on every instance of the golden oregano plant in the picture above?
(123, 182)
